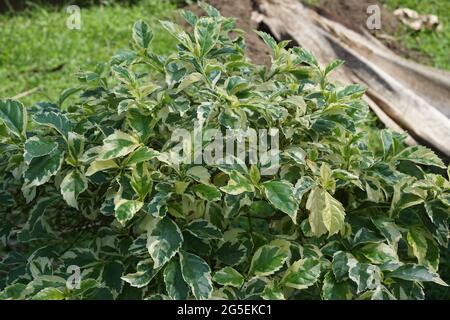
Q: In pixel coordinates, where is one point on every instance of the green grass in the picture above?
(35, 42)
(436, 45)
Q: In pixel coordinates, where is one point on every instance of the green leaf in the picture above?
(110, 276)
(197, 274)
(143, 154)
(306, 56)
(141, 181)
(418, 242)
(381, 293)
(158, 205)
(209, 9)
(42, 169)
(208, 192)
(280, 195)
(73, 184)
(188, 80)
(411, 272)
(438, 214)
(255, 175)
(326, 213)
(76, 144)
(14, 115)
(333, 66)
(389, 230)
(420, 155)
(238, 184)
(333, 290)
(261, 209)
(302, 273)
(203, 229)
(164, 240)
(125, 210)
(268, 40)
(140, 122)
(303, 185)
(232, 252)
(353, 91)
(145, 273)
(199, 174)
(206, 35)
(177, 32)
(379, 253)
(14, 291)
(273, 292)
(142, 34)
(229, 277)
(123, 74)
(65, 94)
(236, 84)
(98, 166)
(189, 16)
(176, 287)
(49, 294)
(267, 260)
(117, 145)
(342, 263)
(35, 147)
(365, 235)
(366, 276)
(54, 120)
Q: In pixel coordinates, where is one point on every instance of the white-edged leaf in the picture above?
(176, 287)
(125, 210)
(36, 147)
(229, 277)
(280, 194)
(98, 166)
(164, 240)
(40, 170)
(238, 184)
(379, 253)
(142, 34)
(302, 273)
(197, 274)
(203, 229)
(420, 155)
(145, 273)
(411, 272)
(73, 184)
(14, 115)
(54, 120)
(118, 144)
(267, 260)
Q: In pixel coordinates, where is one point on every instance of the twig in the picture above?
(26, 93)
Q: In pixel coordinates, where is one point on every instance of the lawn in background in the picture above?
(38, 50)
(436, 45)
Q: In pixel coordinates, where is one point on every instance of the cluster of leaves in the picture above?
(352, 213)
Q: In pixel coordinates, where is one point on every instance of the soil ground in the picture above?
(351, 13)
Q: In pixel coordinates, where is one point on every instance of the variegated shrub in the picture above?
(94, 206)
